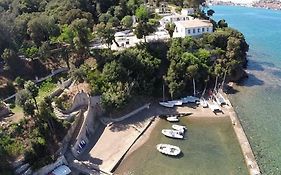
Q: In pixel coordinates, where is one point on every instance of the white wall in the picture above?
(183, 32)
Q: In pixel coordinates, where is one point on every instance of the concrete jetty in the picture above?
(248, 154)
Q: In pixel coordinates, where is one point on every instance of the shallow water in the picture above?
(210, 148)
(258, 101)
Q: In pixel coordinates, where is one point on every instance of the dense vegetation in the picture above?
(118, 76)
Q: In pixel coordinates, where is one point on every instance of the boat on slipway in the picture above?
(172, 133)
(168, 149)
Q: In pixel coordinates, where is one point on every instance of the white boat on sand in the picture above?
(172, 133)
(167, 104)
(179, 128)
(190, 99)
(168, 149)
(176, 102)
(173, 119)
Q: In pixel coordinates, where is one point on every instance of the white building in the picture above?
(173, 19)
(192, 28)
(187, 11)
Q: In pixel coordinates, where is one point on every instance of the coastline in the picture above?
(244, 143)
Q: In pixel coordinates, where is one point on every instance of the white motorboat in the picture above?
(173, 119)
(167, 104)
(179, 128)
(172, 133)
(176, 102)
(168, 149)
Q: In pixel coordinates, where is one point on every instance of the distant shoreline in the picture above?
(262, 5)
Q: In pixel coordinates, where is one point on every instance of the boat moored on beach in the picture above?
(176, 102)
(168, 149)
(190, 99)
(167, 104)
(172, 133)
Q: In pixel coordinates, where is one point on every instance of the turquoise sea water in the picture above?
(258, 100)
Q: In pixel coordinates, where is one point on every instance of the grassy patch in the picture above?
(45, 89)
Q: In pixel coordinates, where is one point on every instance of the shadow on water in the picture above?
(255, 66)
(251, 81)
(181, 155)
(231, 90)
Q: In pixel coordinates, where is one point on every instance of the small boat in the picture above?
(179, 128)
(176, 102)
(168, 149)
(172, 133)
(190, 99)
(167, 104)
(173, 119)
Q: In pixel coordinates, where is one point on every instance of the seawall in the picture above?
(248, 154)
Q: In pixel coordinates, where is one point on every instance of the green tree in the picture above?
(106, 33)
(210, 12)
(20, 82)
(41, 28)
(82, 35)
(222, 23)
(29, 108)
(170, 27)
(142, 14)
(33, 89)
(127, 22)
(22, 96)
(143, 29)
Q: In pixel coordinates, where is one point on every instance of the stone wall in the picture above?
(89, 124)
(79, 100)
(66, 140)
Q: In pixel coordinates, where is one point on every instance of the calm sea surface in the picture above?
(211, 147)
(258, 100)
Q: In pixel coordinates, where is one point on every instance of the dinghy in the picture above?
(168, 149)
(172, 133)
(173, 119)
(179, 128)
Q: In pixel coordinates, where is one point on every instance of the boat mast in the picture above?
(193, 87)
(215, 88)
(224, 76)
(163, 89)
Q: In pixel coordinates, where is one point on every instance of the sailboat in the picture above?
(166, 104)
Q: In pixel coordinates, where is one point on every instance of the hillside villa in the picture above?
(192, 28)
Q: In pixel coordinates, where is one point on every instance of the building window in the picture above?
(203, 29)
(207, 29)
(188, 31)
(194, 31)
(198, 30)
